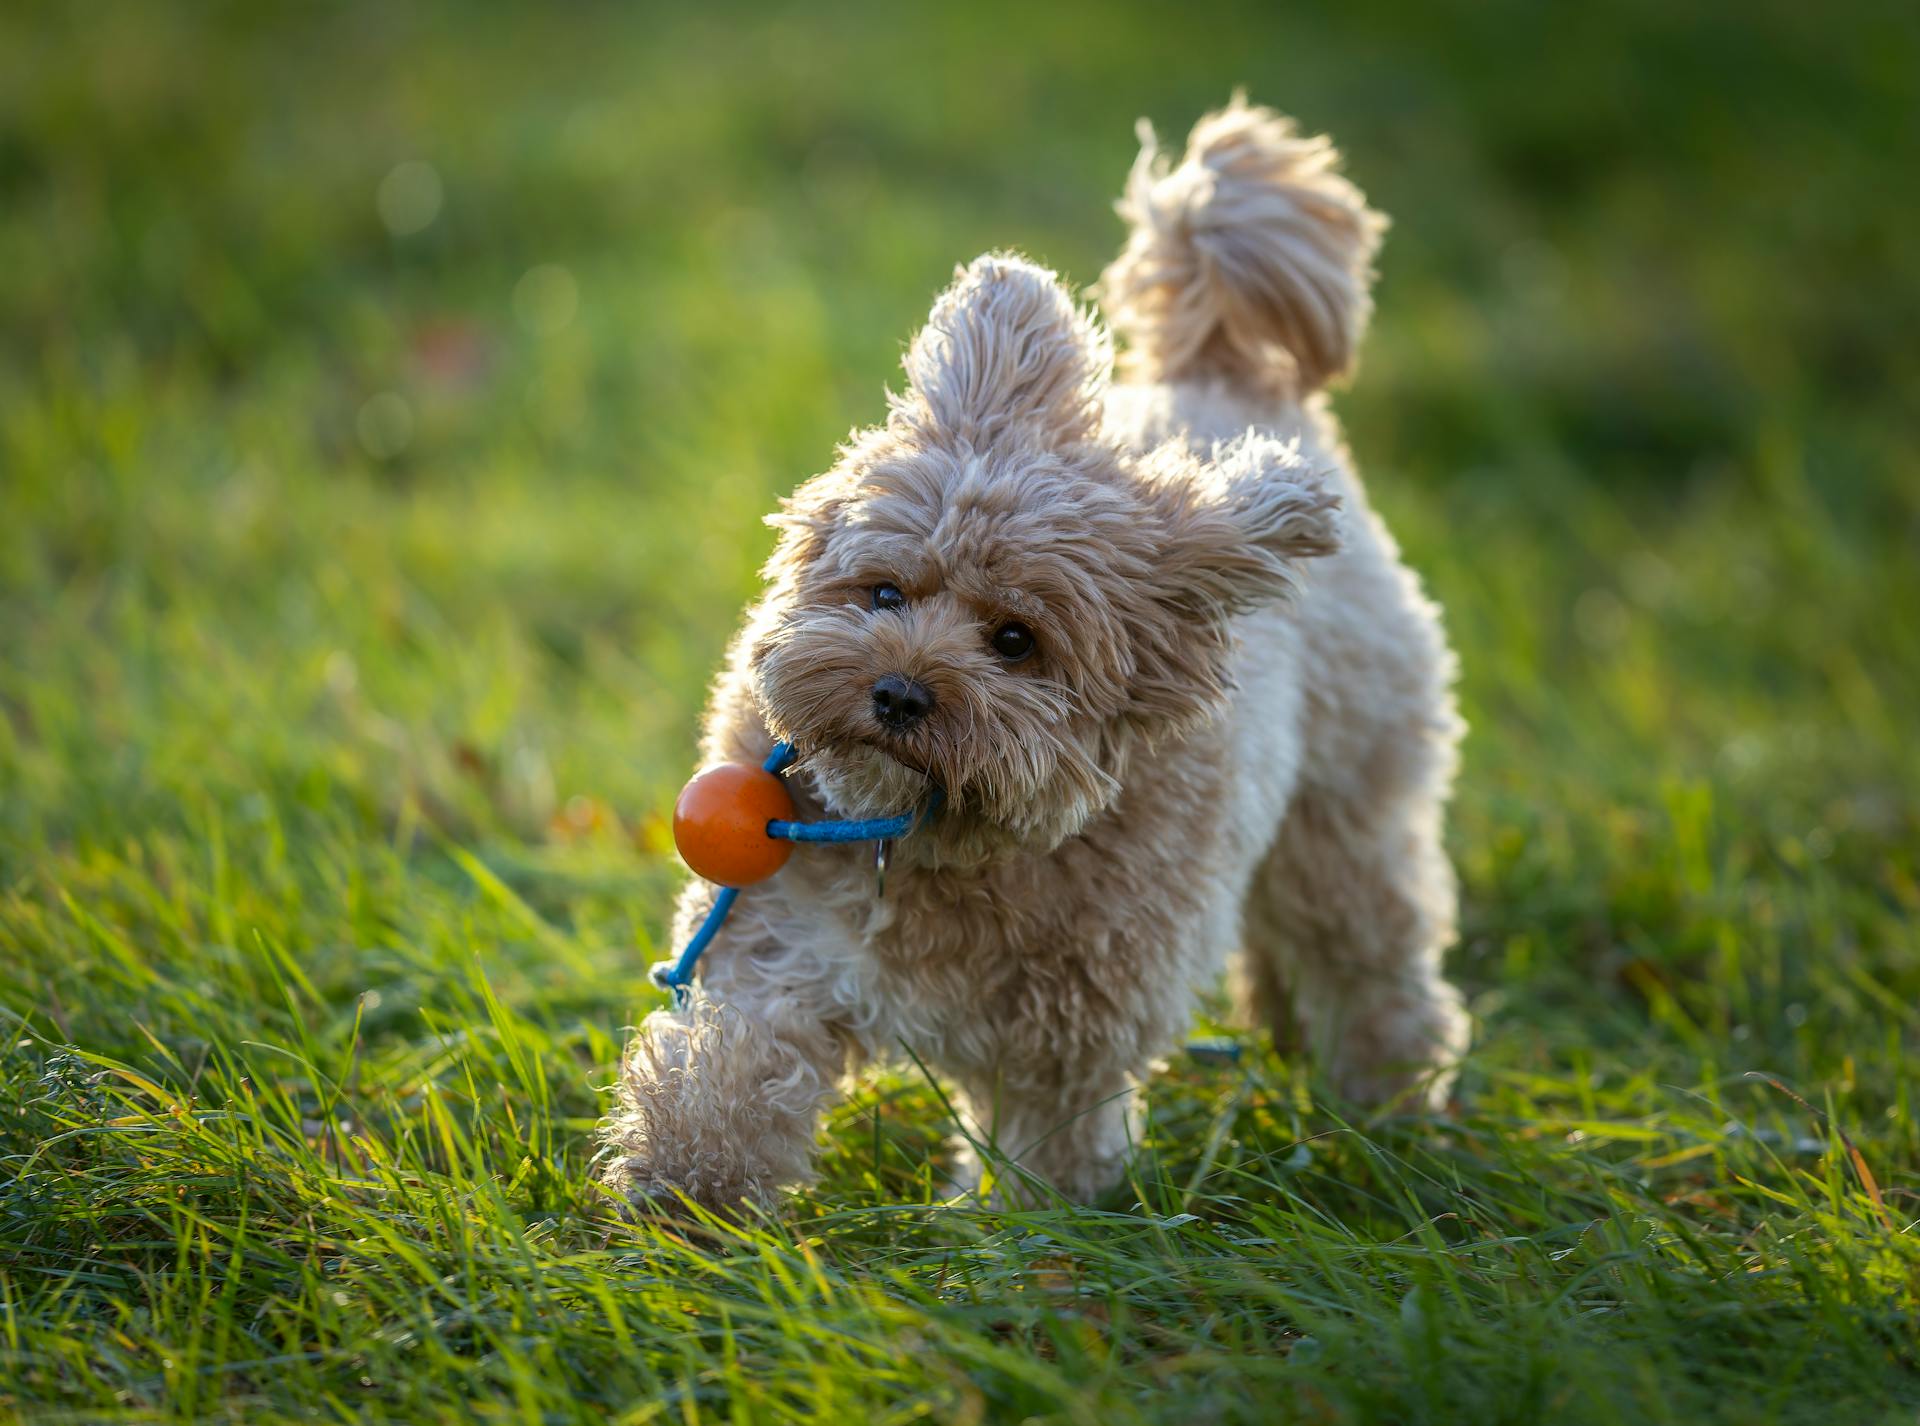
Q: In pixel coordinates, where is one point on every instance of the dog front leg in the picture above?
(719, 1099)
(717, 1104)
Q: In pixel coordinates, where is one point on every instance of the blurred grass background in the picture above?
(388, 400)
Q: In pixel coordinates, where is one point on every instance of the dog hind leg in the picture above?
(1351, 915)
(1070, 1129)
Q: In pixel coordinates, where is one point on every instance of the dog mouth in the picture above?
(867, 776)
(890, 749)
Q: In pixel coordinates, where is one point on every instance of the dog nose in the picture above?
(901, 702)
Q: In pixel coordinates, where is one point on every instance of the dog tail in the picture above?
(1251, 261)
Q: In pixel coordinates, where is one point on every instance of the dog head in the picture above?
(990, 594)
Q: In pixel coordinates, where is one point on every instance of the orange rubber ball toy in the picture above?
(720, 824)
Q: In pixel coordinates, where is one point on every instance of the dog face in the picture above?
(987, 595)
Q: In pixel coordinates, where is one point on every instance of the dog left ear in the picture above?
(1005, 349)
(1229, 533)
(1235, 527)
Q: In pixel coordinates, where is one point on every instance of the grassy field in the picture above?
(387, 404)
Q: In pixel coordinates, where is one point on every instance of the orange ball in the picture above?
(720, 824)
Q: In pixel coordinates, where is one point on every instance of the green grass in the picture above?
(357, 590)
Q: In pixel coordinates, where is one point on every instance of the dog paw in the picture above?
(644, 1193)
(639, 1192)
(1409, 1089)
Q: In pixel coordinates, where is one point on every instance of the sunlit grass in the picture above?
(387, 407)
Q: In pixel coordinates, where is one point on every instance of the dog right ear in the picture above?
(804, 520)
(1006, 350)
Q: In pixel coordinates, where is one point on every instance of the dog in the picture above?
(1186, 705)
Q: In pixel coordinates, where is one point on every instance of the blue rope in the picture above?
(677, 974)
(877, 829)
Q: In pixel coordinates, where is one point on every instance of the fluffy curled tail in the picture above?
(1251, 261)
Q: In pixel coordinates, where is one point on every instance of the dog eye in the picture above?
(888, 596)
(1012, 642)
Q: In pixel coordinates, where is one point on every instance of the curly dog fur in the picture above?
(1233, 737)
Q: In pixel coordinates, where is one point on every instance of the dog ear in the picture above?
(1230, 532)
(1235, 526)
(1006, 349)
(807, 517)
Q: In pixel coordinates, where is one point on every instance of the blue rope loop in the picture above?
(676, 975)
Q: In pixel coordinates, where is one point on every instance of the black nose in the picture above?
(900, 702)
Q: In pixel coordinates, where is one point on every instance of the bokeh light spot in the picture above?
(1600, 618)
(546, 298)
(409, 198)
(385, 425)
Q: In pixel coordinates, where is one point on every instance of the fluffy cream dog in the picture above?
(1183, 698)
